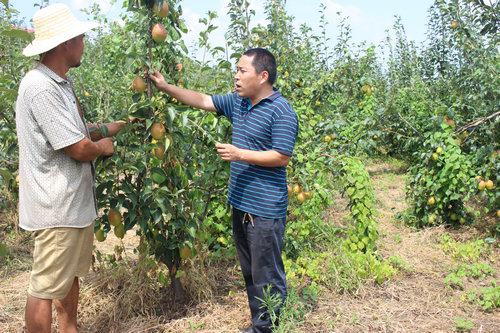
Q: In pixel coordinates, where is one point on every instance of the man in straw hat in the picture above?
(56, 153)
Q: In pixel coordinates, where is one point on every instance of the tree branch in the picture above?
(406, 121)
(477, 123)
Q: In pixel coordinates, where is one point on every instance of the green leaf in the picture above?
(224, 64)
(171, 113)
(183, 46)
(167, 142)
(5, 173)
(183, 27)
(162, 203)
(158, 175)
(104, 131)
(191, 231)
(235, 55)
(173, 33)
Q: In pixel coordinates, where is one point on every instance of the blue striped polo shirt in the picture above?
(272, 124)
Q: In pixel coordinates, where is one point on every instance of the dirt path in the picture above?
(416, 300)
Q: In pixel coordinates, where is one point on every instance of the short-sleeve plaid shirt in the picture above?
(54, 189)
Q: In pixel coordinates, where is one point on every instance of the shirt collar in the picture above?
(50, 73)
(276, 93)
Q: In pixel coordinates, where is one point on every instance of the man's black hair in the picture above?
(263, 60)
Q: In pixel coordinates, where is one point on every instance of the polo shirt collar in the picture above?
(276, 94)
(50, 73)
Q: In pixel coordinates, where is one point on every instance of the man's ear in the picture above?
(264, 76)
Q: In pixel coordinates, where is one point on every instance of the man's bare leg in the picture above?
(67, 309)
(38, 315)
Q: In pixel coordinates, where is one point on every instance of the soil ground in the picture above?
(416, 300)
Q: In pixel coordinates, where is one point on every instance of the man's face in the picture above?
(246, 79)
(76, 50)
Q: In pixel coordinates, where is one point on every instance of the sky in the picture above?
(369, 19)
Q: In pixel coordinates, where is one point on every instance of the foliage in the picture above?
(441, 182)
(239, 34)
(305, 227)
(358, 187)
(338, 268)
(463, 325)
(399, 263)
(270, 303)
(292, 313)
(12, 66)
(455, 79)
(469, 251)
(488, 298)
(477, 270)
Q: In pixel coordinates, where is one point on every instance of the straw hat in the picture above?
(54, 25)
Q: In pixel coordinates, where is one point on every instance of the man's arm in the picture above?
(189, 97)
(86, 150)
(268, 158)
(113, 129)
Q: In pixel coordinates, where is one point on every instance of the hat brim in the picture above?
(41, 46)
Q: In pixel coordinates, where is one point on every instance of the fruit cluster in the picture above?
(482, 185)
(328, 138)
(159, 33)
(115, 220)
(367, 89)
(298, 190)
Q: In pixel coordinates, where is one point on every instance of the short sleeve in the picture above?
(225, 105)
(55, 120)
(284, 133)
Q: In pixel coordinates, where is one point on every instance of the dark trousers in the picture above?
(259, 242)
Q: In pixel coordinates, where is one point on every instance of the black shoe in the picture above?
(248, 329)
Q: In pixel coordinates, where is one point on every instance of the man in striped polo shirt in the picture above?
(265, 128)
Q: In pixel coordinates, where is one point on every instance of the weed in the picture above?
(293, 311)
(469, 252)
(397, 238)
(463, 325)
(488, 298)
(453, 281)
(398, 262)
(270, 304)
(15, 244)
(475, 270)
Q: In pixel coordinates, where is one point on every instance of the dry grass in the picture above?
(128, 297)
(417, 300)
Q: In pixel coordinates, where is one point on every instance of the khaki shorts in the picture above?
(60, 255)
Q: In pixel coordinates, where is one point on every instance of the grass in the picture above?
(16, 243)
